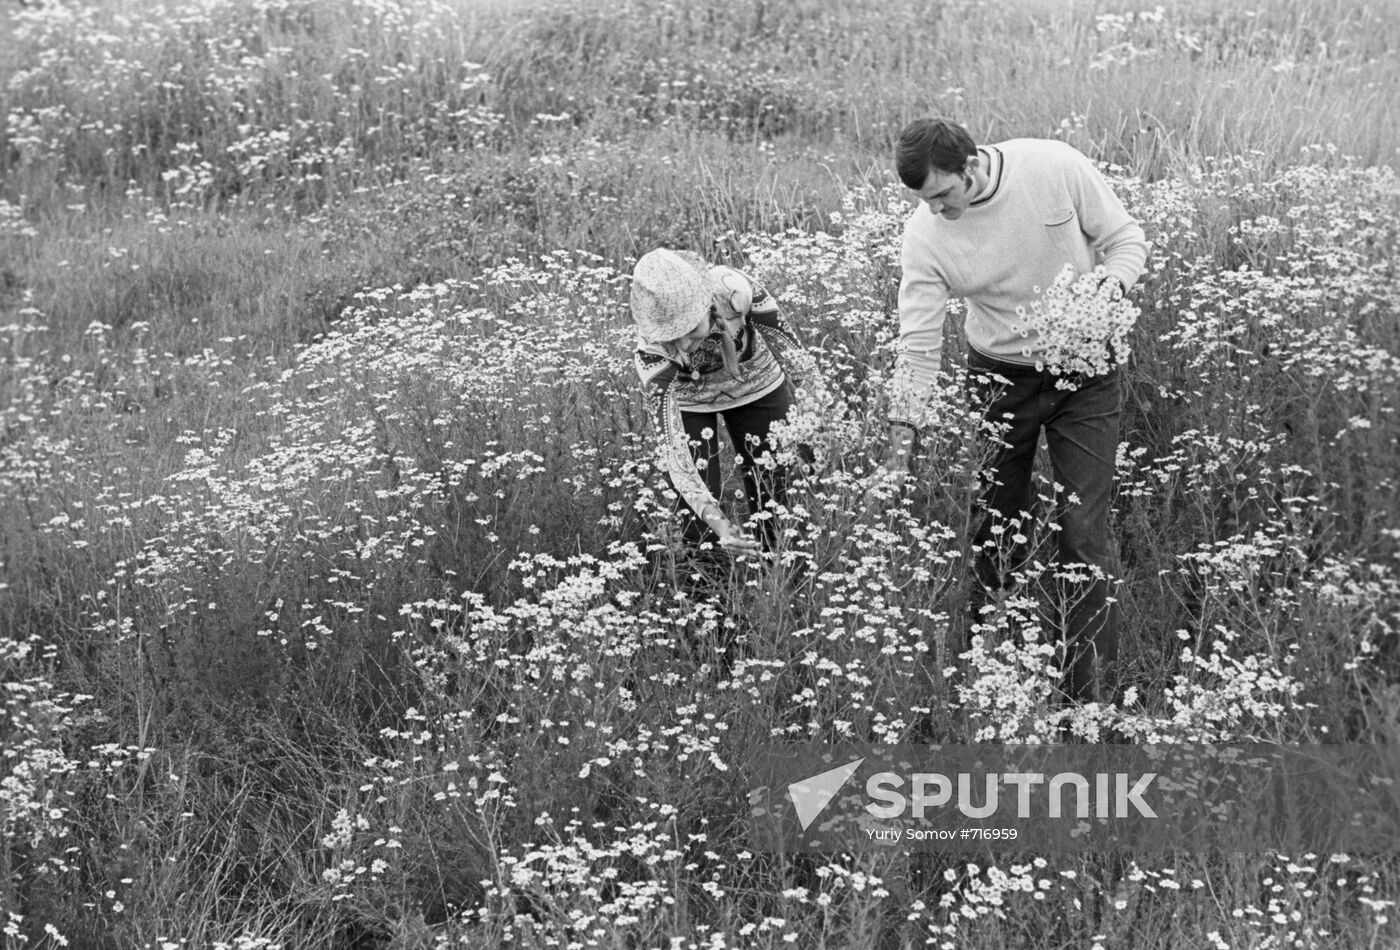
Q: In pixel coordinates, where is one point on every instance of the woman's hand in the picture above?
(735, 541)
(731, 539)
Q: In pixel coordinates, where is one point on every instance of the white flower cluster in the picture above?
(1081, 329)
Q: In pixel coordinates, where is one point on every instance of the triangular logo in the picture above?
(811, 795)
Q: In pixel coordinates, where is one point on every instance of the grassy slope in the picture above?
(173, 256)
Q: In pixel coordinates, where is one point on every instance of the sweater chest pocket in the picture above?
(1064, 239)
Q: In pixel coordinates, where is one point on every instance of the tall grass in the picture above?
(339, 602)
(1141, 87)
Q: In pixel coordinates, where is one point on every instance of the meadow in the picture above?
(339, 602)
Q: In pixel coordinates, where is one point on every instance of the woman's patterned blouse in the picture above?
(768, 350)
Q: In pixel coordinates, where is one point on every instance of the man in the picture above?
(996, 224)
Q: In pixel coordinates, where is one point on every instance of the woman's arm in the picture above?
(778, 333)
(673, 448)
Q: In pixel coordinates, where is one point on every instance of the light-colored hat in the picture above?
(671, 294)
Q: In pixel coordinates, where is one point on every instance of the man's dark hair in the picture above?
(931, 144)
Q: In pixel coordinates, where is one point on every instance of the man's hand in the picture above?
(890, 476)
(902, 443)
(1113, 287)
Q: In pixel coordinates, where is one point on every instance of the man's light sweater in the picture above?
(1046, 206)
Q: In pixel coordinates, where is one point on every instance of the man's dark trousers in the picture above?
(1081, 430)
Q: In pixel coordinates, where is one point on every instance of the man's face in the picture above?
(947, 193)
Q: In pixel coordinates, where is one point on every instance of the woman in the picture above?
(711, 344)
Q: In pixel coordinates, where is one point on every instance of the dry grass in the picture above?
(340, 613)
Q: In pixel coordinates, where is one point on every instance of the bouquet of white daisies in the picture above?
(1082, 324)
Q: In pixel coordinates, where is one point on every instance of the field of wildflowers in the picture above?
(338, 602)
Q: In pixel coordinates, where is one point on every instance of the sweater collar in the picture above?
(995, 166)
